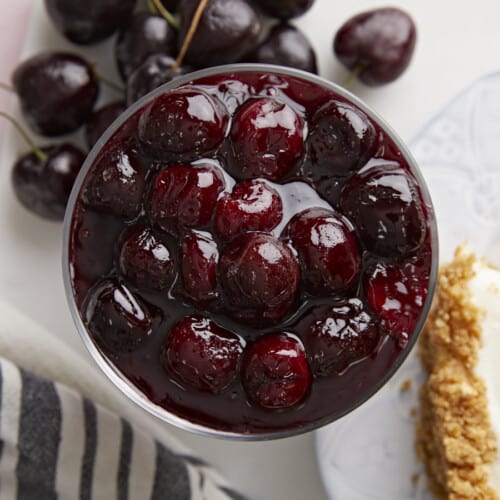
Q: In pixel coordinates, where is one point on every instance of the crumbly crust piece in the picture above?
(455, 440)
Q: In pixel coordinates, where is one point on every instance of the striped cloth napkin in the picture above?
(64, 433)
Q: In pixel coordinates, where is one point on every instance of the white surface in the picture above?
(456, 44)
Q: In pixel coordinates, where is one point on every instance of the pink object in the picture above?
(14, 19)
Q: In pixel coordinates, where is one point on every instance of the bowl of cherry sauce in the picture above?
(249, 252)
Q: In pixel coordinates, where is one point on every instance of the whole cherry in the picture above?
(57, 92)
(377, 45)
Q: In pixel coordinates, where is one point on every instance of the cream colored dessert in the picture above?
(459, 416)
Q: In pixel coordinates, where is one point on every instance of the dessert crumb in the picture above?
(413, 412)
(406, 385)
(415, 478)
(455, 440)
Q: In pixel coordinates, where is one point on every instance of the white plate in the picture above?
(459, 156)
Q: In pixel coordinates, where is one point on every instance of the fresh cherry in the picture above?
(184, 196)
(285, 45)
(43, 183)
(396, 294)
(117, 183)
(201, 355)
(378, 45)
(117, 319)
(199, 258)
(90, 21)
(339, 336)
(267, 139)
(328, 250)
(144, 35)
(145, 260)
(57, 92)
(183, 124)
(101, 119)
(275, 373)
(260, 276)
(252, 206)
(284, 9)
(383, 203)
(153, 72)
(226, 31)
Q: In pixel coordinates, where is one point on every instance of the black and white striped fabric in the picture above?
(57, 444)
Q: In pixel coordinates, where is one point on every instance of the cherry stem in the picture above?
(106, 81)
(8, 88)
(189, 36)
(164, 13)
(39, 153)
(356, 71)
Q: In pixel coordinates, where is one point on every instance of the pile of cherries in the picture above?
(58, 91)
(251, 251)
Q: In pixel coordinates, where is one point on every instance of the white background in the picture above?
(457, 43)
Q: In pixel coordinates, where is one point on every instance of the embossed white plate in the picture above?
(369, 454)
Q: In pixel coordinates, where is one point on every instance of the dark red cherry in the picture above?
(184, 196)
(201, 355)
(44, 186)
(153, 72)
(339, 336)
(227, 30)
(144, 35)
(267, 140)
(284, 9)
(101, 119)
(285, 45)
(380, 42)
(384, 204)
(57, 92)
(90, 21)
(145, 260)
(117, 182)
(199, 258)
(252, 206)
(396, 294)
(183, 125)
(341, 139)
(275, 373)
(260, 276)
(116, 318)
(328, 250)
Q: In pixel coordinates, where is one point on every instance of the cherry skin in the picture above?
(260, 276)
(341, 140)
(153, 72)
(383, 203)
(144, 35)
(117, 182)
(183, 125)
(43, 187)
(380, 42)
(328, 250)
(199, 258)
(267, 139)
(396, 294)
(117, 319)
(339, 336)
(144, 260)
(90, 21)
(252, 206)
(201, 355)
(57, 92)
(285, 45)
(227, 30)
(284, 9)
(101, 119)
(184, 196)
(275, 372)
